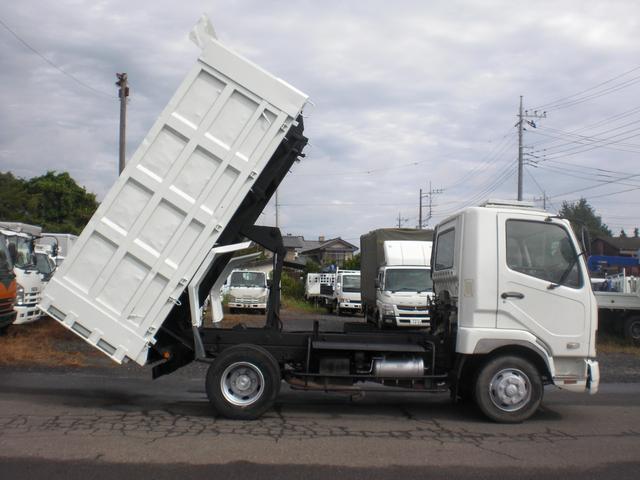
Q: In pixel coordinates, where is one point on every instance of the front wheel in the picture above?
(508, 389)
(632, 329)
(243, 382)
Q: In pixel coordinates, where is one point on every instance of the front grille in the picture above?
(413, 308)
(5, 307)
(413, 315)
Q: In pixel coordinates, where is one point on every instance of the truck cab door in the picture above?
(543, 286)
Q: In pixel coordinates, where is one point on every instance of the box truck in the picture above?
(503, 325)
(396, 277)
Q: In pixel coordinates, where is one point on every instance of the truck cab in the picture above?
(7, 286)
(403, 295)
(248, 290)
(347, 292)
(29, 281)
(513, 284)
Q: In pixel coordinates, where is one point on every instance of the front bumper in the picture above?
(27, 314)
(356, 307)
(248, 306)
(593, 376)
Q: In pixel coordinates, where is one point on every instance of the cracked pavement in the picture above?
(125, 417)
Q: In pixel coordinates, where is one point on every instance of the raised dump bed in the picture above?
(174, 200)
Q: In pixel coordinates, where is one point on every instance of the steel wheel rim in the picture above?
(242, 384)
(510, 389)
(635, 330)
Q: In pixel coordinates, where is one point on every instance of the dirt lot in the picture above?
(46, 344)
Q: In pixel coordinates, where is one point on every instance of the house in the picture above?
(321, 251)
(616, 246)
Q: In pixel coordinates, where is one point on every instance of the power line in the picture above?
(74, 78)
(553, 104)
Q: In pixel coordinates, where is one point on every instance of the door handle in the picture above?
(506, 295)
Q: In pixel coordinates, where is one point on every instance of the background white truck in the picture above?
(619, 305)
(513, 311)
(396, 277)
(317, 283)
(30, 280)
(342, 294)
(248, 290)
(56, 245)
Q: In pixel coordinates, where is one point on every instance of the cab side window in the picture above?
(542, 250)
(445, 245)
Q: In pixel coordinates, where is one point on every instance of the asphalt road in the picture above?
(118, 423)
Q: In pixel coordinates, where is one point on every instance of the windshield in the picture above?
(408, 280)
(43, 264)
(21, 251)
(5, 259)
(351, 283)
(247, 279)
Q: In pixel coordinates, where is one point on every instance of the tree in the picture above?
(581, 213)
(636, 233)
(623, 234)
(352, 263)
(54, 201)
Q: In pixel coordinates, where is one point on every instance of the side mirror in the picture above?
(268, 283)
(377, 283)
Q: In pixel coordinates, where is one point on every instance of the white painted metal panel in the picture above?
(174, 198)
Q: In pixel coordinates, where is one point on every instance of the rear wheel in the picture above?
(632, 329)
(243, 382)
(508, 389)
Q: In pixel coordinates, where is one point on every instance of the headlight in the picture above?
(19, 294)
(387, 309)
(262, 299)
(232, 299)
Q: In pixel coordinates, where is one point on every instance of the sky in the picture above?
(405, 95)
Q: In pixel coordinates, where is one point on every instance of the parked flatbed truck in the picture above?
(502, 327)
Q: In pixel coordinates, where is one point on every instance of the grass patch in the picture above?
(43, 343)
(608, 343)
(301, 305)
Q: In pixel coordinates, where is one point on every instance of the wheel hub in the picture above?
(510, 389)
(242, 383)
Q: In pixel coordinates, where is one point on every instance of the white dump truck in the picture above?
(513, 310)
(396, 277)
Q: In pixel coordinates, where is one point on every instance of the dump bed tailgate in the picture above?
(176, 195)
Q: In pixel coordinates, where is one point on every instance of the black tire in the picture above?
(226, 382)
(524, 394)
(632, 329)
(338, 309)
(3, 330)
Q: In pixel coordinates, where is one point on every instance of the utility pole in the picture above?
(543, 199)
(123, 93)
(521, 116)
(428, 195)
(401, 220)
